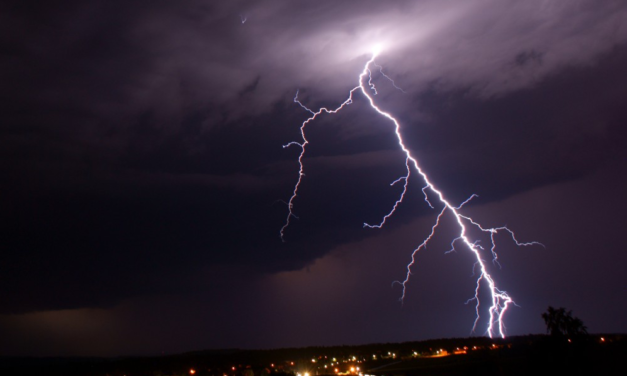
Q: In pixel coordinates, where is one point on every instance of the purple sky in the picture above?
(144, 177)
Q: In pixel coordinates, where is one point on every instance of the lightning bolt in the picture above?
(500, 300)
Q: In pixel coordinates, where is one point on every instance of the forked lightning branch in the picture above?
(500, 300)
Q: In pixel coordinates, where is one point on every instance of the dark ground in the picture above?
(533, 354)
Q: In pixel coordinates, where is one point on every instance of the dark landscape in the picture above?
(521, 355)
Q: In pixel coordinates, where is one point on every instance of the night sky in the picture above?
(144, 182)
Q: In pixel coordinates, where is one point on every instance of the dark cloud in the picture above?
(142, 163)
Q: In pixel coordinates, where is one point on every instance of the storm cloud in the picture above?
(143, 165)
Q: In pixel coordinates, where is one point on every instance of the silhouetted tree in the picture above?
(559, 322)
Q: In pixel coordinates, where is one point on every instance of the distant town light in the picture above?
(192, 371)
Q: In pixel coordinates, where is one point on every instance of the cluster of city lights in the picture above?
(358, 365)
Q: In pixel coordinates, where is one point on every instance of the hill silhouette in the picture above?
(521, 355)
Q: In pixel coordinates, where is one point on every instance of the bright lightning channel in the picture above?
(500, 300)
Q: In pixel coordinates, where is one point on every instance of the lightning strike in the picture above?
(500, 301)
